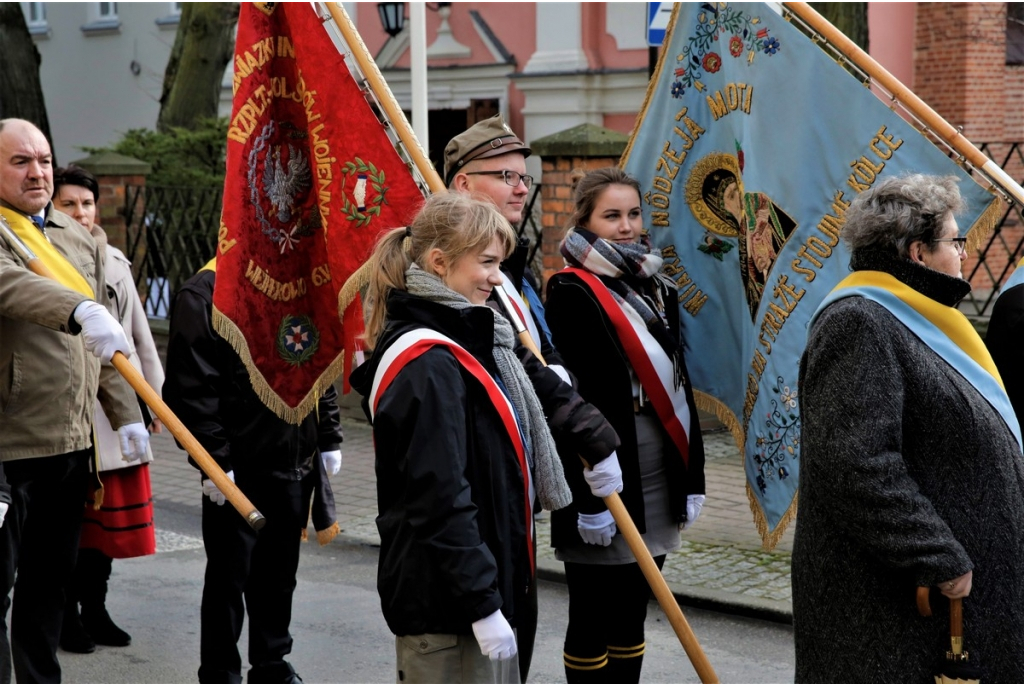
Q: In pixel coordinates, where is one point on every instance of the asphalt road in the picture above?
(340, 635)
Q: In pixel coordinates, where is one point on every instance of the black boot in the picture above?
(73, 637)
(93, 571)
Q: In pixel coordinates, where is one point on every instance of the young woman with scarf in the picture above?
(616, 323)
(461, 446)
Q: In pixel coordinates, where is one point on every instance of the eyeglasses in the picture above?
(512, 178)
(959, 243)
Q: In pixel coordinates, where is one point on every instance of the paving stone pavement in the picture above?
(721, 563)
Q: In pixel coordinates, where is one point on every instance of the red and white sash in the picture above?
(652, 366)
(411, 345)
(522, 309)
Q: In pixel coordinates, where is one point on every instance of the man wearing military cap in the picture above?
(489, 159)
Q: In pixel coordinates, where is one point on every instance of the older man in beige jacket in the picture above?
(51, 333)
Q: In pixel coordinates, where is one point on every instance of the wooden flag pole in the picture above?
(394, 113)
(632, 536)
(915, 105)
(120, 362)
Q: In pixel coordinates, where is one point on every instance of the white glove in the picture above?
(213, 492)
(562, 373)
(332, 461)
(605, 477)
(4, 506)
(495, 636)
(101, 332)
(596, 529)
(694, 503)
(134, 440)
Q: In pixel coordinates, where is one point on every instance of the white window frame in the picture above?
(38, 8)
(111, 11)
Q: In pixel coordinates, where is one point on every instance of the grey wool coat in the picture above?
(908, 477)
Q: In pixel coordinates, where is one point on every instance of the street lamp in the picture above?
(392, 16)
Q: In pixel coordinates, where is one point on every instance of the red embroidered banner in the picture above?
(312, 180)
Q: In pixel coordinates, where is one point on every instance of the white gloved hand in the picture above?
(332, 461)
(102, 334)
(134, 440)
(562, 373)
(4, 506)
(605, 477)
(497, 641)
(213, 492)
(596, 529)
(694, 503)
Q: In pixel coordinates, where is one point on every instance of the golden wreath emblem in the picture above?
(368, 193)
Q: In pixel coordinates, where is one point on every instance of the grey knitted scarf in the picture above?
(548, 475)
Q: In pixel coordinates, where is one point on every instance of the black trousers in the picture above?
(251, 571)
(39, 543)
(604, 641)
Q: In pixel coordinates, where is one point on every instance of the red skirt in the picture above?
(123, 526)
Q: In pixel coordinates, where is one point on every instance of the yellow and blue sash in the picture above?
(64, 272)
(944, 329)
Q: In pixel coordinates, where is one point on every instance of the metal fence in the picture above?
(1000, 252)
(171, 233)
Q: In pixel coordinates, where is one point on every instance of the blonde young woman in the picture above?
(461, 446)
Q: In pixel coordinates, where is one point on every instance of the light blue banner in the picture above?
(752, 145)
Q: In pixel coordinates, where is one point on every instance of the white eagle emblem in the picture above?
(284, 182)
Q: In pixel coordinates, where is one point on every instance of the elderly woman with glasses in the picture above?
(912, 474)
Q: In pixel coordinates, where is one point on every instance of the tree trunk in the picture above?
(21, 93)
(202, 49)
(849, 17)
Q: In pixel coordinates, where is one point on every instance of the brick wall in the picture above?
(111, 206)
(960, 71)
(960, 65)
(557, 205)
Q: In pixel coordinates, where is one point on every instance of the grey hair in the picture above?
(901, 210)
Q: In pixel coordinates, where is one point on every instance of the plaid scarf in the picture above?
(548, 474)
(630, 270)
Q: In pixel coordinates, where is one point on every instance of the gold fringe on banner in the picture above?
(713, 405)
(769, 539)
(982, 228)
(227, 329)
(326, 535)
(356, 282)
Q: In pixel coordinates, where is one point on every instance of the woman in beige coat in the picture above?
(118, 522)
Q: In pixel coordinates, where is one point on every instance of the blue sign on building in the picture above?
(658, 14)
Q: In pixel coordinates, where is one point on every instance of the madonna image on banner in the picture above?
(751, 144)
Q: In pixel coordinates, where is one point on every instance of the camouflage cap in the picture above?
(487, 138)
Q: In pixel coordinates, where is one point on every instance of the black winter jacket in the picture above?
(452, 521)
(208, 388)
(591, 349)
(1005, 341)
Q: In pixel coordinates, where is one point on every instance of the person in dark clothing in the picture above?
(911, 467)
(610, 284)
(489, 161)
(1005, 338)
(461, 445)
(276, 464)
